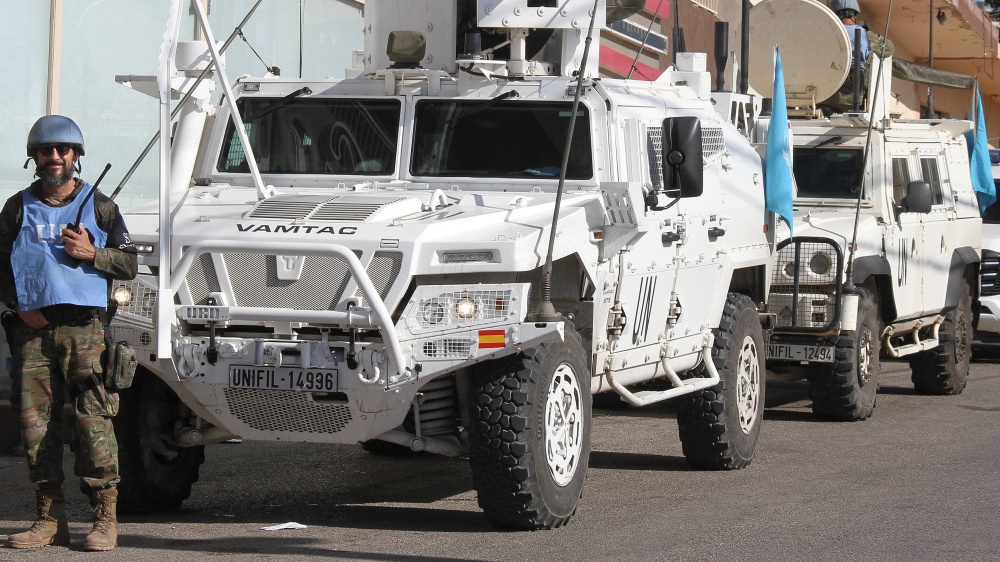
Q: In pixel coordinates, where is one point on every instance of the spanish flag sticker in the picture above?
(492, 338)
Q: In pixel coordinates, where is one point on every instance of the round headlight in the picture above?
(790, 268)
(122, 296)
(465, 308)
(432, 312)
(820, 263)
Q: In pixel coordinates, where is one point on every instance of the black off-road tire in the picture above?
(530, 435)
(944, 369)
(156, 475)
(720, 426)
(845, 390)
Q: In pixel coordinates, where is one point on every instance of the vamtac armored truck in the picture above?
(884, 259)
(450, 251)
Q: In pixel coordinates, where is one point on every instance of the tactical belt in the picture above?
(72, 315)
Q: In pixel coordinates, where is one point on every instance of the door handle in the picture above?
(716, 231)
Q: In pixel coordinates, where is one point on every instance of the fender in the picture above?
(877, 266)
(961, 259)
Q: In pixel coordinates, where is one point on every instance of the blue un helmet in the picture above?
(840, 6)
(53, 129)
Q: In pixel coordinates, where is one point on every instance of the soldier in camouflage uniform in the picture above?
(56, 278)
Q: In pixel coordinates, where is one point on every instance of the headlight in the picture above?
(790, 269)
(122, 296)
(465, 308)
(820, 263)
(432, 312)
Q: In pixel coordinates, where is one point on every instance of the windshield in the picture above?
(505, 139)
(833, 173)
(315, 136)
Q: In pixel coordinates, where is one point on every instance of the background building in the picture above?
(62, 56)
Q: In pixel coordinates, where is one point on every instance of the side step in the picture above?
(912, 333)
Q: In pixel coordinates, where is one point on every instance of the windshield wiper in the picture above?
(484, 105)
(828, 141)
(279, 103)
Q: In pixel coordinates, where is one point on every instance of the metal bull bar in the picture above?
(378, 317)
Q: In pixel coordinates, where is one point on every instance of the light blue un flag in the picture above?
(979, 155)
(778, 180)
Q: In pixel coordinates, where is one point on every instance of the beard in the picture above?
(53, 178)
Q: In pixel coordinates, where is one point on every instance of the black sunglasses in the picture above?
(46, 149)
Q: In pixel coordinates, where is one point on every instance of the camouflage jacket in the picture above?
(117, 260)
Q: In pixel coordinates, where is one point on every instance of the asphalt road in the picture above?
(918, 481)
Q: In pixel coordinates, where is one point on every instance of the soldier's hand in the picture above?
(33, 318)
(78, 244)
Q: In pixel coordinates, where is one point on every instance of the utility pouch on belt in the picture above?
(120, 369)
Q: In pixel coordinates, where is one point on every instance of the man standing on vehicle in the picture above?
(848, 11)
(55, 274)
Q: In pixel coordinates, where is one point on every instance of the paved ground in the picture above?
(919, 481)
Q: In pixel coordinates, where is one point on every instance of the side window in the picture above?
(900, 178)
(929, 169)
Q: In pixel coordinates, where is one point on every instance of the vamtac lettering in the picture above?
(296, 229)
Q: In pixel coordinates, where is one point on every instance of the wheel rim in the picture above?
(563, 425)
(748, 384)
(865, 352)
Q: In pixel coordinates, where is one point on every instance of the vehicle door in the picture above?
(904, 237)
(938, 227)
(649, 264)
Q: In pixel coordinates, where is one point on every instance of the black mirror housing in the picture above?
(683, 164)
(918, 198)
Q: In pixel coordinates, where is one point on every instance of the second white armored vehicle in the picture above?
(885, 255)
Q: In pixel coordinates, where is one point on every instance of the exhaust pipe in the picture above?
(721, 54)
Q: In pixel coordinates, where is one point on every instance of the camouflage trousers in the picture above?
(51, 365)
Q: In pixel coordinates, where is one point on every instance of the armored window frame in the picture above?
(900, 178)
(931, 173)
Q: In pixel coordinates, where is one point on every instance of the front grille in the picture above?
(255, 283)
(382, 271)
(282, 410)
(806, 285)
(989, 269)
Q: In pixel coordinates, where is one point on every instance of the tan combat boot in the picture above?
(104, 536)
(49, 528)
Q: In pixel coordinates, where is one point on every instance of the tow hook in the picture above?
(352, 357)
(212, 354)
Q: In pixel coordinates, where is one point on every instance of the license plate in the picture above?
(283, 378)
(787, 352)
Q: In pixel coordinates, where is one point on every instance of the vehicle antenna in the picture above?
(645, 37)
(75, 227)
(849, 270)
(187, 95)
(545, 312)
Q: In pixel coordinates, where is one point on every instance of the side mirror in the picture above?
(683, 168)
(918, 198)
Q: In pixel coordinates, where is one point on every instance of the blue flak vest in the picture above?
(43, 272)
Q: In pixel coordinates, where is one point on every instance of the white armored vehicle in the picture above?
(389, 258)
(896, 190)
